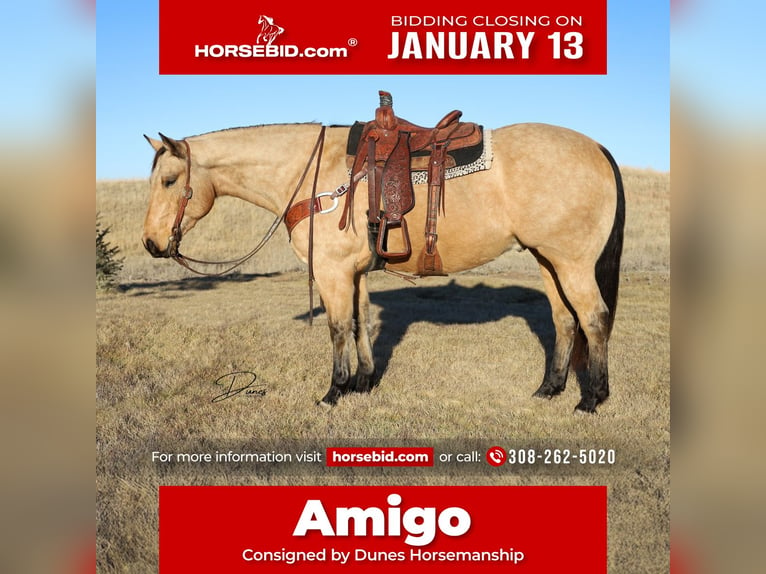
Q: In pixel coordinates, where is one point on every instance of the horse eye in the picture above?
(169, 182)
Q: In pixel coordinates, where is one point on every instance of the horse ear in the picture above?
(174, 146)
(156, 144)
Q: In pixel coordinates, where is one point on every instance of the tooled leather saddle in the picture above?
(385, 152)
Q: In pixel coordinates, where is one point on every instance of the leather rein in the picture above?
(185, 261)
(175, 237)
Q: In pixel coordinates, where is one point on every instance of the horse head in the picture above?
(181, 193)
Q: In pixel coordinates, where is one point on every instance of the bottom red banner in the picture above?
(531, 529)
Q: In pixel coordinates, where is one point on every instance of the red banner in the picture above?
(374, 528)
(396, 37)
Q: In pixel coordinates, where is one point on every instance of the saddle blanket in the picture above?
(462, 161)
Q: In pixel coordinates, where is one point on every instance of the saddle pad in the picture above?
(466, 160)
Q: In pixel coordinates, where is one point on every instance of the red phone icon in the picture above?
(496, 456)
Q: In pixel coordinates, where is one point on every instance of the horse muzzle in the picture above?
(170, 251)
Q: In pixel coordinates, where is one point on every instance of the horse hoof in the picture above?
(547, 392)
(331, 398)
(587, 406)
(365, 383)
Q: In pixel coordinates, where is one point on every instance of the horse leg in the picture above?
(557, 369)
(339, 303)
(366, 378)
(584, 295)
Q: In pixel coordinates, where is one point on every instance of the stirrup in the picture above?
(385, 226)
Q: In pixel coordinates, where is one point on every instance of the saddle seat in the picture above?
(384, 153)
(461, 134)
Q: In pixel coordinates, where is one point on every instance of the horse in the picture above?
(269, 30)
(550, 190)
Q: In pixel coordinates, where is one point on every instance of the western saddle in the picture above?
(384, 156)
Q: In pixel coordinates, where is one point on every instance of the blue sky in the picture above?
(627, 110)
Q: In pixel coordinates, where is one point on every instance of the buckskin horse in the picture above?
(549, 190)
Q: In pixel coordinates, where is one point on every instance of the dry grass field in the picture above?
(461, 357)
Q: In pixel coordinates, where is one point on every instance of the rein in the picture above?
(185, 261)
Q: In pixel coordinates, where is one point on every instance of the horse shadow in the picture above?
(172, 288)
(398, 309)
(455, 304)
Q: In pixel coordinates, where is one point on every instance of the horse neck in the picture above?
(261, 165)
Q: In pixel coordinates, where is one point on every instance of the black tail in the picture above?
(607, 266)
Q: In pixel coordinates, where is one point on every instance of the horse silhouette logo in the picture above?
(269, 30)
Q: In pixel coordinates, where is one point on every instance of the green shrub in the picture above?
(107, 263)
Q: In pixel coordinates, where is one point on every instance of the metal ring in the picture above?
(334, 201)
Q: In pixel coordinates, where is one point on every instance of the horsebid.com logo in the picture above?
(264, 46)
(269, 30)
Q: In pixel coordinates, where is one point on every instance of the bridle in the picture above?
(175, 234)
(175, 237)
(184, 261)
